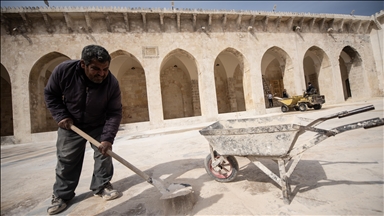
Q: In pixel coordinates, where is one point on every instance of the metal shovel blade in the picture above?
(173, 190)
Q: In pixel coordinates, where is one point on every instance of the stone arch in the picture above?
(229, 81)
(132, 81)
(41, 118)
(277, 73)
(350, 64)
(318, 70)
(179, 85)
(6, 110)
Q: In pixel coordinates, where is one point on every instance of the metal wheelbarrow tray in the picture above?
(273, 138)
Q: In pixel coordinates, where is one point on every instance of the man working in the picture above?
(83, 93)
(310, 90)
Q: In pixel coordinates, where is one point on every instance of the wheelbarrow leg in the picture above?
(285, 187)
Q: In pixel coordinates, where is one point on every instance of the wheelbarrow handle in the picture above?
(356, 111)
(112, 154)
(375, 124)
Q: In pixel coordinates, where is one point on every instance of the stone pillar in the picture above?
(207, 88)
(20, 106)
(337, 96)
(253, 87)
(155, 106)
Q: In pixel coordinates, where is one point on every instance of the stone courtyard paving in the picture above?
(342, 175)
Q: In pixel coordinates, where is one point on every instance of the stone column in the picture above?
(253, 87)
(20, 106)
(155, 106)
(207, 88)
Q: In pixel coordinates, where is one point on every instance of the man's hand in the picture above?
(104, 147)
(66, 123)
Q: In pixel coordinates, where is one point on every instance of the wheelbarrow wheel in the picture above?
(226, 171)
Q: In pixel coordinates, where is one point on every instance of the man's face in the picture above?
(96, 71)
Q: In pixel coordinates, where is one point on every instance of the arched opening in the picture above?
(229, 73)
(132, 81)
(6, 110)
(179, 85)
(352, 78)
(277, 72)
(41, 118)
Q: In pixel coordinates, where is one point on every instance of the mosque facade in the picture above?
(182, 66)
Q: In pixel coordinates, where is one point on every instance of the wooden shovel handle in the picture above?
(112, 154)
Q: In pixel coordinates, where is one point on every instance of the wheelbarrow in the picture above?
(270, 138)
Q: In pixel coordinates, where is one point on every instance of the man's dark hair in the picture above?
(95, 52)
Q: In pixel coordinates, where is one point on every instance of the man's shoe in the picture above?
(58, 205)
(108, 193)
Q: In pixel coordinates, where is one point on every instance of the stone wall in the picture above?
(220, 58)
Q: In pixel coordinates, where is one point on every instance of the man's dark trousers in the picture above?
(70, 155)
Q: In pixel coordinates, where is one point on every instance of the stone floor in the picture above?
(342, 175)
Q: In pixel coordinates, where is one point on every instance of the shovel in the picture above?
(173, 190)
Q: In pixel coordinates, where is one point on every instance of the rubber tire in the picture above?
(296, 108)
(317, 106)
(284, 108)
(233, 168)
(302, 107)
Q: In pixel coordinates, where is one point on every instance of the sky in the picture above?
(363, 8)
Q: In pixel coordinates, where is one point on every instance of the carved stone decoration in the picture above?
(67, 20)
(126, 21)
(143, 15)
(108, 22)
(150, 52)
(265, 23)
(88, 21)
(161, 21)
(224, 24)
(178, 21)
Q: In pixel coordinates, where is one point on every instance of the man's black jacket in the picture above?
(70, 94)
